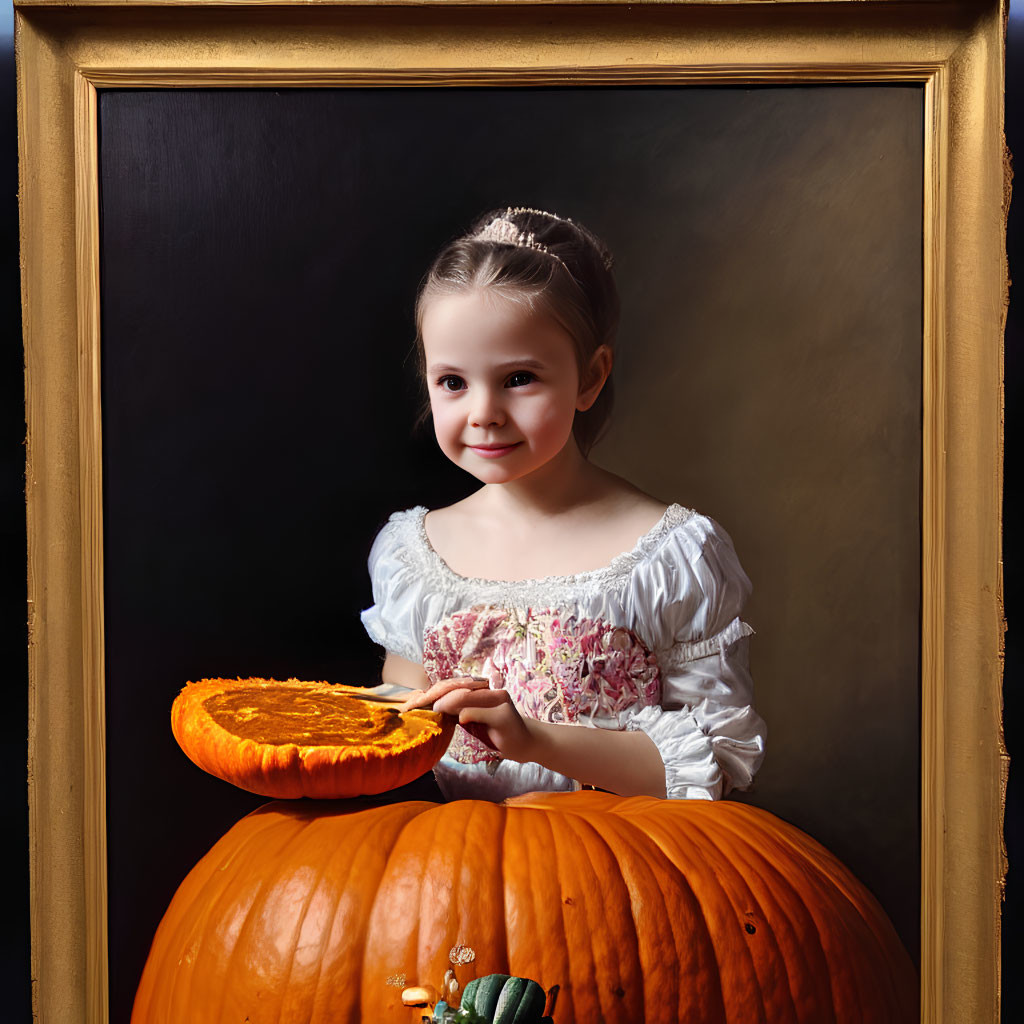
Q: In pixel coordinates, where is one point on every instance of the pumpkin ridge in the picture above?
(820, 868)
(734, 845)
(427, 898)
(343, 888)
(799, 935)
(762, 882)
(311, 839)
(485, 854)
(476, 916)
(356, 877)
(616, 841)
(503, 916)
(175, 929)
(340, 890)
(249, 924)
(311, 894)
(224, 896)
(222, 881)
(373, 1003)
(307, 838)
(614, 844)
(289, 959)
(493, 882)
(530, 899)
(738, 976)
(569, 992)
(325, 940)
(246, 866)
(866, 903)
(782, 902)
(558, 844)
(701, 927)
(589, 832)
(764, 871)
(382, 994)
(849, 987)
(683, 925)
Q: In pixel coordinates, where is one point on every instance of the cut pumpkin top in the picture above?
(295, 738)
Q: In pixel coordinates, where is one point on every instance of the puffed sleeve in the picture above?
(395, 620)
(709, 735)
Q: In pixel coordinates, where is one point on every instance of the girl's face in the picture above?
(503, 383)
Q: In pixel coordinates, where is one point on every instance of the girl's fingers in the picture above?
(414, 700)
(425, 698)
(465, 700)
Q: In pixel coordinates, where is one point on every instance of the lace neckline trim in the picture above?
(619, 566)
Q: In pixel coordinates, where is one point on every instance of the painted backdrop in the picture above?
(260, 254)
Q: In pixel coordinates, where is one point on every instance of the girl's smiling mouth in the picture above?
(493, 451)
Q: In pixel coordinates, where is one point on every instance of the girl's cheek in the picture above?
(553, 415)
(441, 411)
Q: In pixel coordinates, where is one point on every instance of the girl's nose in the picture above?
(487, 410)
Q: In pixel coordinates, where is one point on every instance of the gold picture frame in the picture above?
(68, 51)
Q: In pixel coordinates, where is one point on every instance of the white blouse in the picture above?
(680, 591)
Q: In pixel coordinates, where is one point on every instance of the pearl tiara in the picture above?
(504, 230)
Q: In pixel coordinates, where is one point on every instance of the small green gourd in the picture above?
(501, 999)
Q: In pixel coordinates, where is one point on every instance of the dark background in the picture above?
(245, 417)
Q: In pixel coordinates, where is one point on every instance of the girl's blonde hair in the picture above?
(550, 264)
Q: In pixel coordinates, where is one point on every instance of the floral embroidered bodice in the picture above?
(556, 668)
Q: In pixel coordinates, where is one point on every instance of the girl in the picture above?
(583, 632)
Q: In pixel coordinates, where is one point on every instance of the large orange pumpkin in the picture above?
(641, 910)
(294, 738)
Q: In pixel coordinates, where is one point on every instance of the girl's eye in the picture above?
(451, 383)
(520, 379)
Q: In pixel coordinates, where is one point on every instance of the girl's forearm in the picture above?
(627, 763)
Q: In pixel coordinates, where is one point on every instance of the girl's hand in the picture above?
(627, 763)
(488, 714)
